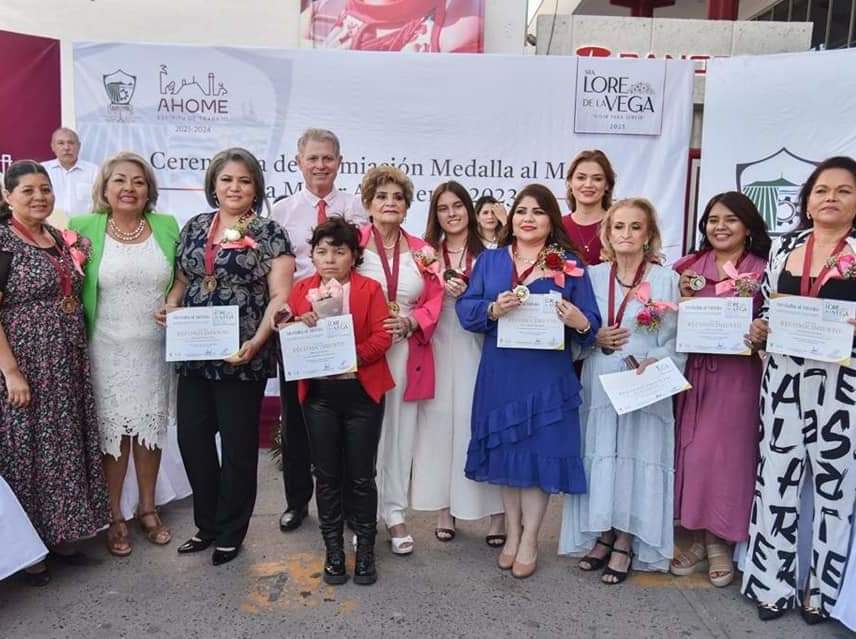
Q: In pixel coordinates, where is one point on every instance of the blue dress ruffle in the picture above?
(525, 418)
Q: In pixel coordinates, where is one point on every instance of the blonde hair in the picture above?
(385, 174)
(654, 242)
(99, 202)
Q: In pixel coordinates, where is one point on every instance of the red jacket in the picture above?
(426, 312)
(367, 305)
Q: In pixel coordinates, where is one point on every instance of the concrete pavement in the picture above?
(273, 589)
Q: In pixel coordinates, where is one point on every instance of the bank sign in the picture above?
(623, 97)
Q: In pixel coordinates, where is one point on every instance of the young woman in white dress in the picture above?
(443, 430)
(407, 270)
(627, 515)
(129, 269)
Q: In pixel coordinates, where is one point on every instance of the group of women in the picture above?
(438, 416)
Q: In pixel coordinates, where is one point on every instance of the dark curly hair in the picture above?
(340, 232)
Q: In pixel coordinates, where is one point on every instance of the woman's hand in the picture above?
(310, 319)
(455, 286)
(398, 327)
(161, 313)
(247, 352)
(684, 283)
(281, 316)
(506, 302)
(612, 337)
(572, 316)
(645, 363)
(758, 331)
(17, 389)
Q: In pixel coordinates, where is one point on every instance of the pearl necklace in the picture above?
(122, 236)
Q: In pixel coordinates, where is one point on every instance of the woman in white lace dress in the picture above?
(129, 269)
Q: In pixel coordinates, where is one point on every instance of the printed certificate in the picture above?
(534, 324)
(811, 327)
(326, 349)
(715, 325)
(629, 391)
(201, 333)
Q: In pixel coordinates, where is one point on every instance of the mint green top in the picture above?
(94, 227)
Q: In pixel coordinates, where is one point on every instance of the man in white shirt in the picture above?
(319, 158)
(72, 178)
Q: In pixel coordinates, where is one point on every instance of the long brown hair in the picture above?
(547, 201)
(434, 232)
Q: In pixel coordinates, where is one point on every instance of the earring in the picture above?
(646, 247)
(748, 241)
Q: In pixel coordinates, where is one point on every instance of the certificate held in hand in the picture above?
(326, 349)
(629, 391)
(811, 327)
(201, 333)
(534, 324)
(714, 325)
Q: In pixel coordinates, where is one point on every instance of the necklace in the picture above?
(122, 236)
(577, 228)
(524, 260)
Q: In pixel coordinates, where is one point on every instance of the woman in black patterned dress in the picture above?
(49, 452)
(249, 264)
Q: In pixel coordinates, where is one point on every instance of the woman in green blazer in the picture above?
(129, 269)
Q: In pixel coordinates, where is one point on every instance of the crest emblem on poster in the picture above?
(120, 87)
(773, 183)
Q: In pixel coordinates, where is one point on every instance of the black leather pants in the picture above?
(344, 430)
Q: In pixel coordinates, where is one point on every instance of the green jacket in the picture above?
(94, 227)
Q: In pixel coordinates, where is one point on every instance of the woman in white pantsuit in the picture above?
(443, 431)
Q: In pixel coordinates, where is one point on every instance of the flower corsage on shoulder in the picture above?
(652, 311)
(741, 284)
(556, 266)
(238, 235)
(427, 261)
(842, 266)
(80, 247)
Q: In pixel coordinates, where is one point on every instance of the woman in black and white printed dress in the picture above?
(806, 409)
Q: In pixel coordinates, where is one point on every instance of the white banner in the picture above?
(768, 120)
(494, 123)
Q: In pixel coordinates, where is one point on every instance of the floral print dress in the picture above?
(49, 451)
(241, 281)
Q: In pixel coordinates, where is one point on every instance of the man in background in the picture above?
(72, 178)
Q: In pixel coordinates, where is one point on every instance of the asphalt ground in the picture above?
(274, 589)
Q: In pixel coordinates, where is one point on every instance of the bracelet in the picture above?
(490, 312)
(584, 331)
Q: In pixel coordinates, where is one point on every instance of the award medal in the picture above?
(68, 303)
(390, 273)
(517, 279)
(698, 282)
(453, 272)
(615, 318)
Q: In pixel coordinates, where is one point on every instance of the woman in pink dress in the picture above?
(717, 420)
(591, 184)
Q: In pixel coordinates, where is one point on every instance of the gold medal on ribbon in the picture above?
(69, 304)
(697, 283)
(209, 283)
(522, 292)
(394, 309)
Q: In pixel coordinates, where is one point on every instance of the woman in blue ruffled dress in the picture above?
(525, 420)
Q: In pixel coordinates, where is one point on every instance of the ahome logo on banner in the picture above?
(619, 96)
(190, 97)
(773, 183)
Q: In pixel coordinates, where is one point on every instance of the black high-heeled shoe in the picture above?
(812, 616)
(194, 544)
(595, 563)
(619, 575)
(220, 556)
(769, 611)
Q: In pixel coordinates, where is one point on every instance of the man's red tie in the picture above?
(322, 211)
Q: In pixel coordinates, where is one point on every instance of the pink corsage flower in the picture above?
(79, 247)
(327, 299)
(652, 311)
(569, 268)
(741, 284)
(426, 260)
(842, 266)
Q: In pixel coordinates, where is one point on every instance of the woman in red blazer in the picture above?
(344, 413)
